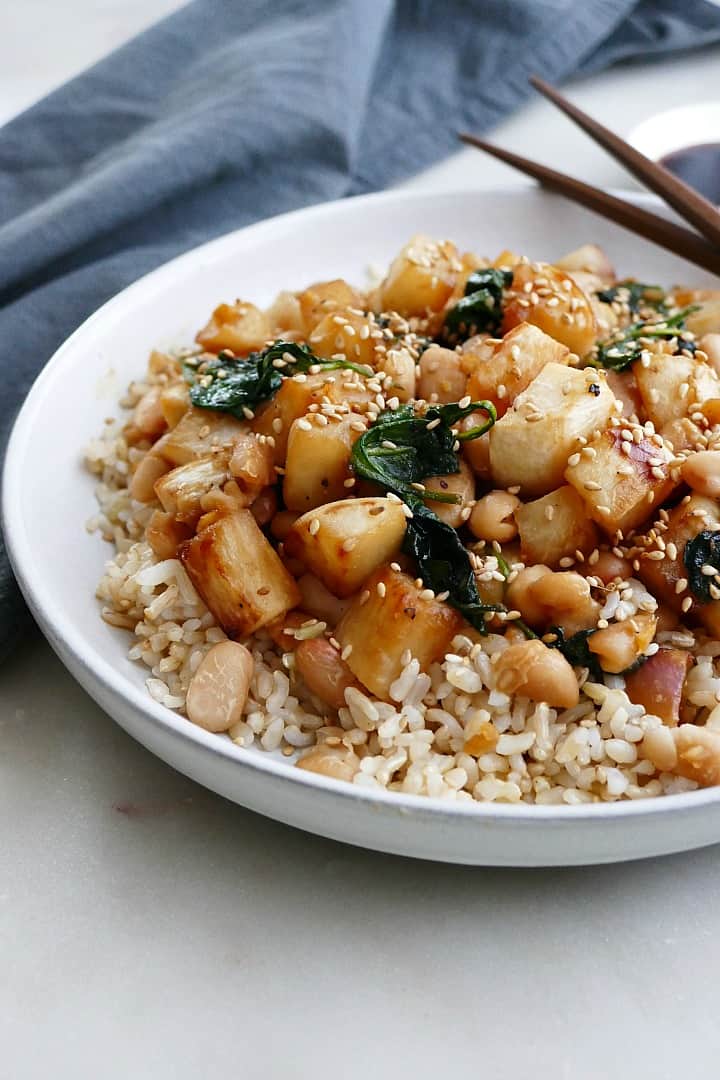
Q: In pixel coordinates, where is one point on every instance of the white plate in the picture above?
(48, 497)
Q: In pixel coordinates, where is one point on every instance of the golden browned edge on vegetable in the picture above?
(592, 474)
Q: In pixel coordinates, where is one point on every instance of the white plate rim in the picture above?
(53, 622)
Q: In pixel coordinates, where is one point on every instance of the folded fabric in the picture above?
(229, 112)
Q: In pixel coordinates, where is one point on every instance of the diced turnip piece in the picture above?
(625, 389)
(590, 259)
(421, 278)
(239, 575)
(318, 460)
(549, 298)
(285, 315)
(200, 433)
(343, 542)
(707, 319)
(619, 646)
(175, 402)
(292, 401)
(682, 434)
(324, 297)
(621, 480)
(671, 385)
(503, 373)
(180, 491)
(555, 527)
(531, 444)
(345, 333)
(239, 327)
(662, 576)
(658, 684)
(251, 464)
(391, 617)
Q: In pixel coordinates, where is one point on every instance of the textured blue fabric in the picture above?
(231, 111)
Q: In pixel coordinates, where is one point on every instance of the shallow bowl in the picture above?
(48, 497)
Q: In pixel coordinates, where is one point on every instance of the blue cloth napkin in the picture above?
(228, 112)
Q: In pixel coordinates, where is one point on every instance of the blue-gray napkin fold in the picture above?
(228, 112)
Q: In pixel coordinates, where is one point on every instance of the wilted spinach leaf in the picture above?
(575, 650)
(622, 350)
(480, 309)
(402, 449)
(635, 294)
(702, 550)
(233, 384)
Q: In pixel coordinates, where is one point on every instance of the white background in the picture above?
(150, 929)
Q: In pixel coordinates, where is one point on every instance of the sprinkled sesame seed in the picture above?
(304, 425)
(346, 652)
(381, 589)
(573, 460)
(314, 526)
(364, 596)
(686, 604)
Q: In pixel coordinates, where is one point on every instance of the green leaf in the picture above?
(402, 449)
(444, 565)
(480, 309)
(623, 349)
(575, 650)
(702, 550)
(233, 384)
(635, 294)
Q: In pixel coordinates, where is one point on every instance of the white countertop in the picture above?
(151, 929)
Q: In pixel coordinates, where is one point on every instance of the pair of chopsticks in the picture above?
(700, 245)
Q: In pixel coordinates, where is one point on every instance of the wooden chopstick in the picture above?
(681, 241)
(690, 205)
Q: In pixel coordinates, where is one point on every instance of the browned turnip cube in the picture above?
(555, 527)
(181, 490)
(344, 542)
(199, 434)
(512, 365)
(318, 460)
(238, 574)
(239, 327)
(391, 616)
(531, 444)
(671, 385)
(621, 480)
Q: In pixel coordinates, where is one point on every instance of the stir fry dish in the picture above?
(454, 535)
